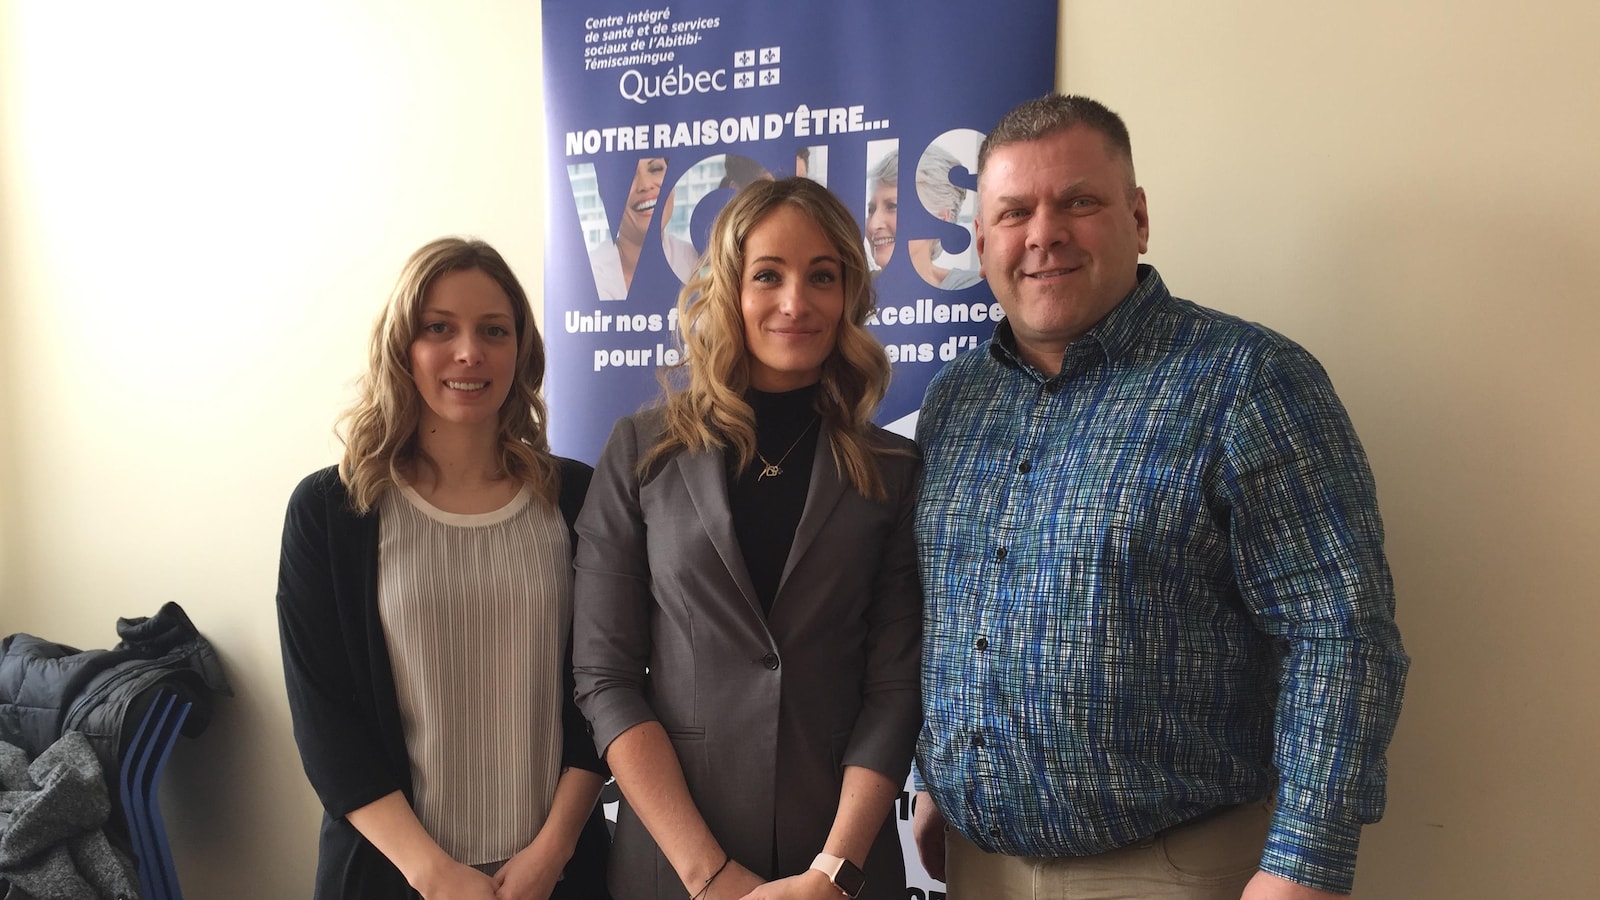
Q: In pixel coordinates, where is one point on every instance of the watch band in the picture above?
(841, 872)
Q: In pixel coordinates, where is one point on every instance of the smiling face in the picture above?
(464, 355)
(1060, 230)
(642, 198)
(791, 299)
(883, 215)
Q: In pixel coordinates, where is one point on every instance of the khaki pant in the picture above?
(1211, 859)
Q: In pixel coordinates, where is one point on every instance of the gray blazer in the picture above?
(764, 713)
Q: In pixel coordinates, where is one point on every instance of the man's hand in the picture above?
(1271, 887)
(927, 827)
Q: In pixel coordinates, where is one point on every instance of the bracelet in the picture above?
(707, 886)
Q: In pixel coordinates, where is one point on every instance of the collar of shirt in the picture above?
(1109, 339)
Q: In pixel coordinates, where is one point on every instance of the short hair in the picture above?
(933, 181)
(380, 429)
(1043, 116)
(886, 171)
(934, 188)
(705, 406)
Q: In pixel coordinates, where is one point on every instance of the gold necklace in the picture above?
(773, 468)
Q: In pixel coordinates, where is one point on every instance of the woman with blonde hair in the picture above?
(424, 602)
(747, 614)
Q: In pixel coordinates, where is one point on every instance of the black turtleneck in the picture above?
(767, 510)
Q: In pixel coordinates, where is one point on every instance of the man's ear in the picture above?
(1141, 216)
(977, 224)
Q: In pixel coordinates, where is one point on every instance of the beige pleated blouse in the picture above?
(476, 610)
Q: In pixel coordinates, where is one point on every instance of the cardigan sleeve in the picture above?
(340, 745)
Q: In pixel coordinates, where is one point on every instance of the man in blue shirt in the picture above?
(1160, 657)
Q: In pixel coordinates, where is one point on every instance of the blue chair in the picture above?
(142, 765)
(125, 782)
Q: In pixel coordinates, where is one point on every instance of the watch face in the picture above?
(849, 878)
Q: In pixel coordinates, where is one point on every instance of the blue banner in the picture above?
(658, 114)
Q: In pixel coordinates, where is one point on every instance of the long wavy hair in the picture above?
(380, 430)
(705, 407)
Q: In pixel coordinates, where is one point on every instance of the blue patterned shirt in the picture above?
(1155, 586)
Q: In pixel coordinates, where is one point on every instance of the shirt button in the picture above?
(1025, 467)
(1000, 553)
(982, 643)
(977, 739)
(770, 661)
(994, 831)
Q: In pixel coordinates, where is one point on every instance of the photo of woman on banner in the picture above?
(615, 261)
(938, 196)
(747, 611)
(424, 602)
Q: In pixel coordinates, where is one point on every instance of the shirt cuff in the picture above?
(1314, 853)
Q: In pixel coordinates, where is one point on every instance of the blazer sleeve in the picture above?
(885, 733)
(577, 744)
(611, 598)
(339, 744)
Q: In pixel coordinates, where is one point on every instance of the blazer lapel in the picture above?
(827, 486)
(707, 482)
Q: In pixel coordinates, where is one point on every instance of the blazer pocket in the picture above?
(690, 746)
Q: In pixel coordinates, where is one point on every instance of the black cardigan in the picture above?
(342, 695)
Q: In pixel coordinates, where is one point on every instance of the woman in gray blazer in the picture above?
(747, 609)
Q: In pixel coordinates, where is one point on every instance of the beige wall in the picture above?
(208, 203)
(201, 208)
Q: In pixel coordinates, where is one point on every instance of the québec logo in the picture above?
(752, 68)
(675, 82)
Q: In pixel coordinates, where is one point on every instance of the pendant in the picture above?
(769, 469)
